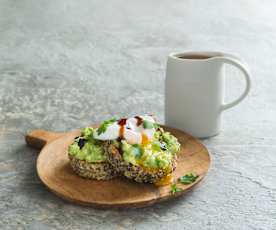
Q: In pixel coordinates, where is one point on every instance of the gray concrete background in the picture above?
(66, 64)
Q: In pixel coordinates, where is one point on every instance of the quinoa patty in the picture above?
(134, 172)
(98, 171)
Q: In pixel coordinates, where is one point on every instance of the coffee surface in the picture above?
(195, 56)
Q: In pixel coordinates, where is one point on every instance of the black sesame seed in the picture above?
(81, 143)
(163, 146)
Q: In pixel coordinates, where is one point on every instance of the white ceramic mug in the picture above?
(194, 91)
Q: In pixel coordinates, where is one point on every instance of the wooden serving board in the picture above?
(54, 170)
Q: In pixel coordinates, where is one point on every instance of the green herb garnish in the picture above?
(156, 126)
(104, 125)
(175, 189)
(150, 125)
(188, 178)
(137, 151)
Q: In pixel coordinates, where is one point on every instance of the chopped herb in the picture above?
(156, 126)
(158, 146)
(104, 125)
(188, 178)
(150, 125)
(137, 151)
(175, 189)
(147, 124)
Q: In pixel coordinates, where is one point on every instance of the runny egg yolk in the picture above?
(165, 180)
(145, 140)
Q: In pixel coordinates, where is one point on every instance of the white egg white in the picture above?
(132, 133)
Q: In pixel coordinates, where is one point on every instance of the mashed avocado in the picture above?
(158, 154)
(87, 148)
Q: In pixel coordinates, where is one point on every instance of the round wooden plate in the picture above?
(55, 172)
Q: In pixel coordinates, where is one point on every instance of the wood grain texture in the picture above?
(39, 138)
(55, 172)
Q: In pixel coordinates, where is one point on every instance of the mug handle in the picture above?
(229, 59)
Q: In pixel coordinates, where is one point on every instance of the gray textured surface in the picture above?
(66, 64)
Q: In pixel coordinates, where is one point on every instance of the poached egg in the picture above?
(131, 129)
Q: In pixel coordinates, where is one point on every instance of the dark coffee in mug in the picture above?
(195, 56)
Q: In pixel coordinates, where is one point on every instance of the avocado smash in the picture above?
(85, 147)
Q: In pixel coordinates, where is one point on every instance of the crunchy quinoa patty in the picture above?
(131, 171)
(98, 171)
